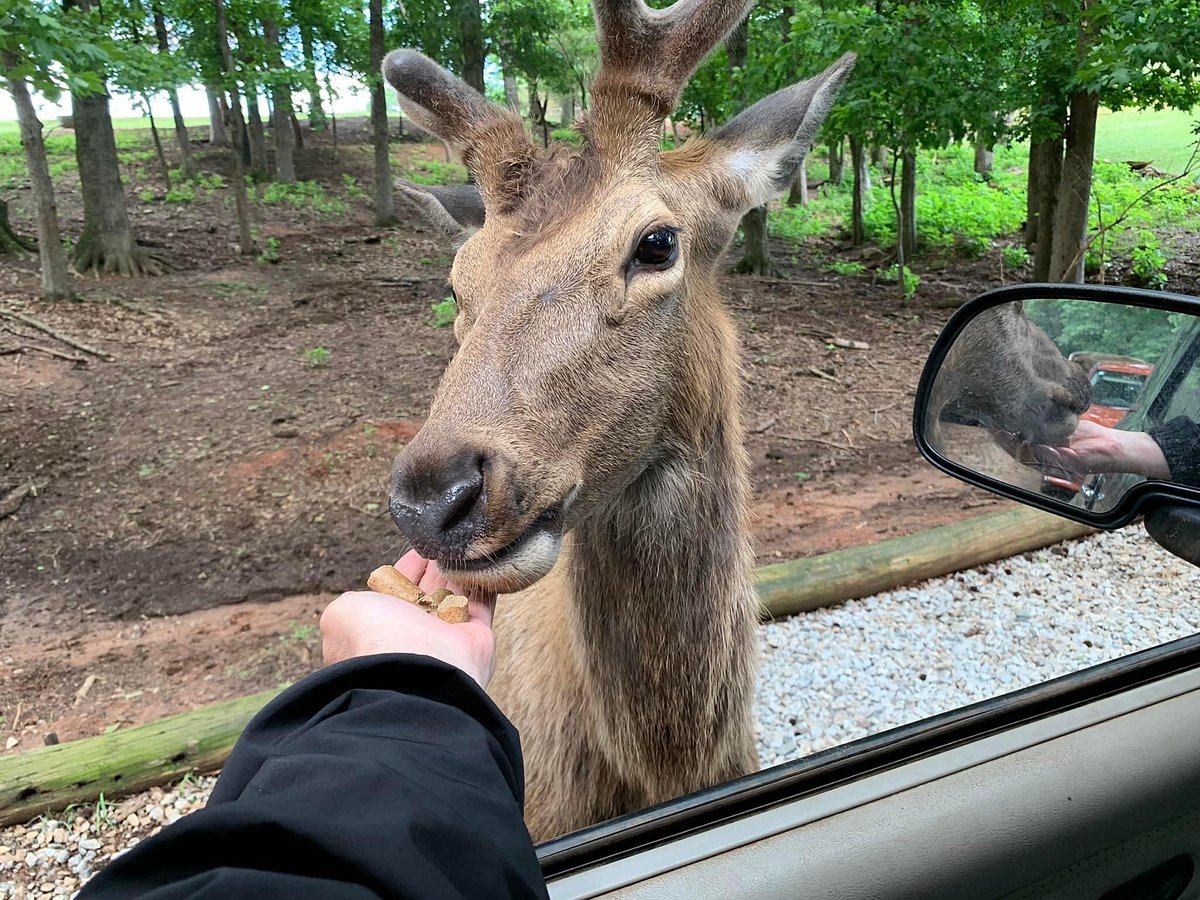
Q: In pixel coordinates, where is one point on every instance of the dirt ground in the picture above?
(198, 499)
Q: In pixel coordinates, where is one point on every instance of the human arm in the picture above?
(387, 774)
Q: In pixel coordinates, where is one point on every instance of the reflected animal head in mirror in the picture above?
(1004, 374)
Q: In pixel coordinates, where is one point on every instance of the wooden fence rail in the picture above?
(135, 759)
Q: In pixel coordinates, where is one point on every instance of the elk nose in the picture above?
(440, 508)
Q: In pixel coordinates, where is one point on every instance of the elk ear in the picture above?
(456, 210)
(762, 147)
(437, 101)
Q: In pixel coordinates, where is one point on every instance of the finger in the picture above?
(432, 579)
(412, 565)
(482, 606)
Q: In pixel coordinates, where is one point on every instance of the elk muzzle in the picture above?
(471, 511)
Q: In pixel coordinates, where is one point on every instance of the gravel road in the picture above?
(828, 676)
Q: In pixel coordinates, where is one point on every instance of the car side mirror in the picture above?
(1111, 433)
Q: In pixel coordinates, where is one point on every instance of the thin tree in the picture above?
(241, 202)
(385, 201)
(56, 280)
(186, 162)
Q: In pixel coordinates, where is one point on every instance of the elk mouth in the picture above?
(519, 563)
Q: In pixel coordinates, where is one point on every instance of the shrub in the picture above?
(445, 311)
(567, 136)
(317, 357)
(846, 267)
(270, 252)
(147, 195)
(1015, 256)
(433, 171)
(911, 279)
(303, 193)
(181, 193)
(1148, 262)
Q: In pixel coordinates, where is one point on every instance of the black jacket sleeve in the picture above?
(1180, 443)
(384, 776)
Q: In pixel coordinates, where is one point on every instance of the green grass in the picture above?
(434, 171)
(1162, 136)
(10, 126)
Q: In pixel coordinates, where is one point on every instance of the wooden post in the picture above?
(124, 762)
(804, 584)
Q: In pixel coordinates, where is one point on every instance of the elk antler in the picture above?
(491, 141)
(646, 58)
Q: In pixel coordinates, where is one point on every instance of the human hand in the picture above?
(1093, 448)
(363, 623)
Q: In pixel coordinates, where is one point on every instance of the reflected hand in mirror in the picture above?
(1075, 400)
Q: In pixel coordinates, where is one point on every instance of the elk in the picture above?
(584, 450)
(1004, 373)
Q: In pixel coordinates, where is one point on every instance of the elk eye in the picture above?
(658, 248)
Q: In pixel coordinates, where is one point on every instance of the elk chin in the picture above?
(513, 568)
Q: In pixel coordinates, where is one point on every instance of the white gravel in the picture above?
(828, 676)
(838, 674)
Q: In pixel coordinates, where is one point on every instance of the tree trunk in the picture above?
(1046, 160)
(241, 201)
(566, 112)
(798, 195)
(181, 133)
(158, 147)
(56, 280)
(901, 249)
(107, 243)
(756, 255)
(470, 35)
(216, 118)
(316, 111)
(11, 243)
(281, 109)
(882, 163)
(837, 161)
(858, 161)
(908, 203)
(984, 157)
(511, 97)
(259, 162)
(1075, 189)
(535, 106)
(385, 201)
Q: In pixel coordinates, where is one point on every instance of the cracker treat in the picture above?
(446, 606)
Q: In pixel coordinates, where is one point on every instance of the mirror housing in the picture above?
(999, 402)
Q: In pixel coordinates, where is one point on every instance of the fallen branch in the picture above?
(12, 501)
(804, 584)
(813, 370)
(15, 316)
(815, 440)
(25, 348)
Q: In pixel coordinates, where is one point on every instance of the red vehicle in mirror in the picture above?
(1117, 384)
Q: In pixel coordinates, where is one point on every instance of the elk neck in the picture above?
(662, 606)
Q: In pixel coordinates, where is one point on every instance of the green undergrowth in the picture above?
(434, 171)
(962, 214)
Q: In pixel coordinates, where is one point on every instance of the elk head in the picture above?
(585, 285)
(1004, 373)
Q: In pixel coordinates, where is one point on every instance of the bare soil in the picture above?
(200, 497)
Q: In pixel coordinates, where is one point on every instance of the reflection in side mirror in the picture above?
(1076, 399)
